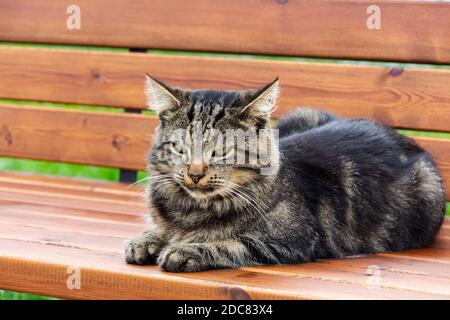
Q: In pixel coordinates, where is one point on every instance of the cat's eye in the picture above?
(222, 153)
(218, 152)
(176, 148)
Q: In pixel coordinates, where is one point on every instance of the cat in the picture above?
(336, 187)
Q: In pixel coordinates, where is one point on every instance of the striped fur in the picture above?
(340, 187)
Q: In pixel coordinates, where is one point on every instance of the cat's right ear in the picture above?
(160, 97)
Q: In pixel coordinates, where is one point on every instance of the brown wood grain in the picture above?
(74, 203)
(37, 244)
(342, 281)
(410, 31)
(415, 98)
(394, 272)
(106, 276)
(48, 211)
(430, 255)
(357, 266)
(134, 198)
(97, 187)
(36, 217)
(97, 138)
(129, 210)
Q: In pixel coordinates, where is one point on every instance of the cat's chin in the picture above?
(200, 192)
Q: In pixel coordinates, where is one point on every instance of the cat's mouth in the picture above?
(200, 189)
(200, 192)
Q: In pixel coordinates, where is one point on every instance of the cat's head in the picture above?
(212, 142)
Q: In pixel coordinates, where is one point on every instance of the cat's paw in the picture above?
(136, 253)
(182, 258)
(142, 250)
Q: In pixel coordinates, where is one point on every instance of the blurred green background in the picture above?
(92, 172)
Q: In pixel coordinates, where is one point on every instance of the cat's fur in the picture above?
(339, 187)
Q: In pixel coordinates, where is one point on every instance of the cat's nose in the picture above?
(196, 172)
(196, 177)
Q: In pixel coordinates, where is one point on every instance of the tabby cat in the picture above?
(335, 187)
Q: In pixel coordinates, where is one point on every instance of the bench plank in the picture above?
(48, 211)
(69, 202)
(410, 31)
(105, 276)
(415, 98)
(34, 258)
(37, 216)
(96, 138)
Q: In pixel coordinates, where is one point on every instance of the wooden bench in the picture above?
(50, 226)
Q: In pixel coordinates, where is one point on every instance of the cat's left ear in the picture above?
(160, 97)
(264, 100)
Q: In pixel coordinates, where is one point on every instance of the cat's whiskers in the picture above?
(141, 181)
(235, 190)
(228, 192)
(246, 191)
(250, 202)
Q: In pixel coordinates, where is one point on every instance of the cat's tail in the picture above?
(303, 119)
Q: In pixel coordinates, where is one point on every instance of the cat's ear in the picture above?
(264, 99)
(160, 96)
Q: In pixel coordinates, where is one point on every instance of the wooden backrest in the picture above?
(404, 96)
(410, 31)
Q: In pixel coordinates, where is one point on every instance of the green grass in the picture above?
(388, 64)
(61, 46)
(59, 169)
(59, 105)
(11, 295)
(430, 134)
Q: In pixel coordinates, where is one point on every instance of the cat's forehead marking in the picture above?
(209, 106)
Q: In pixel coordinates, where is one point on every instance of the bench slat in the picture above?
(47, 211)
(37, 217)
(98, 138)
(72, 193)
(415, 98)
(70, 203)
(34, 257)
(105, 276)
(410, 31)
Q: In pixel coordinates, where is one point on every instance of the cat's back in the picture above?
(370, 172)
(374, 152)
(359, 139)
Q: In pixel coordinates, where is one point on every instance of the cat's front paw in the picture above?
(137, 253)
(143, 250)
(182, 258)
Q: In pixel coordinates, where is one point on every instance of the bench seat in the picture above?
(48, 226)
